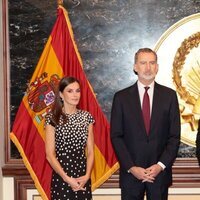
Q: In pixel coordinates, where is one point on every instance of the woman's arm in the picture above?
(90, 157)
(90, 151)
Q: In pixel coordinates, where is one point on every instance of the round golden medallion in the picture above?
(178, 52)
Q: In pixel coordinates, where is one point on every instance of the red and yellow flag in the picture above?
(59, 58)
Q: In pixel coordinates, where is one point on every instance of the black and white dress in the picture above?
(70, 143)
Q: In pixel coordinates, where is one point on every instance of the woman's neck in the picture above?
(69, 109)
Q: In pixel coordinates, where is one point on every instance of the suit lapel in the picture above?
(155, 106)
(137, 111)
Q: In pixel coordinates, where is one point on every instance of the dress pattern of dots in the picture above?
(70, 143)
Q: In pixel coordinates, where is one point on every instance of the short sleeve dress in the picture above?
(70, 143)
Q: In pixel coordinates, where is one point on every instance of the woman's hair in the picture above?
(58, 103)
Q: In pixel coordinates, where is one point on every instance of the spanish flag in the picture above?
(60, 58)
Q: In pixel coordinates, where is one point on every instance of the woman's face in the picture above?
(71, 94)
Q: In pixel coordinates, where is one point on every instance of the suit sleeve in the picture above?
(170, 152)
(198, 143)
(117, 134)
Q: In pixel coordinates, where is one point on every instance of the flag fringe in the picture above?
(74, 43)
(35, 179)
(28, 166)
(20, 149)
(116, 166)
(71, 34)
(105, 177)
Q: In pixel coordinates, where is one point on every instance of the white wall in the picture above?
(8, 188)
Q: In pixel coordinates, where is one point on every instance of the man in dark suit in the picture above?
(145, 132)
(198, 143)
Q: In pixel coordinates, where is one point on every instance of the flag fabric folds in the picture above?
(60, 58)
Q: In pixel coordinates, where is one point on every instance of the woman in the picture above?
(69, 131)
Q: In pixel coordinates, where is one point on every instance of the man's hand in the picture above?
(154, 170)
(141, 174)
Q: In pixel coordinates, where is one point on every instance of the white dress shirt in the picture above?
(141, 89)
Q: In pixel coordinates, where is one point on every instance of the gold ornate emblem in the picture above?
(179, 51)
(186, 77)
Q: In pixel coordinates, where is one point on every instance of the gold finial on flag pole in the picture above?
(60, 2)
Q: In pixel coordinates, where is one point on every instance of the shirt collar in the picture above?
(140, 85)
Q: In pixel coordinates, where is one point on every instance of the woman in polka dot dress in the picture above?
(69, 132)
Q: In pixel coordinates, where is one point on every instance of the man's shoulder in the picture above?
(125, 91)
(164, 88)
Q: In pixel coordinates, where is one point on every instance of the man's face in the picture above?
(146, 67)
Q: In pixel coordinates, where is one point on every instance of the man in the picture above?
(145, 132)
(198, 143)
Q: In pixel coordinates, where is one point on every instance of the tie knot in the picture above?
(146, 88)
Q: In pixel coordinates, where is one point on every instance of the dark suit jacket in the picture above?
(132, 145)
(198, 143)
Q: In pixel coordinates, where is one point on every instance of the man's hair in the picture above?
(144, 50)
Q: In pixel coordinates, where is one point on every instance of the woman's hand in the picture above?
(82, 180)
(75, 185)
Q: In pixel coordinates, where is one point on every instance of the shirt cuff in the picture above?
(162, 165)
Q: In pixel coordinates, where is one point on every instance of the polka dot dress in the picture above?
(70, 143)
